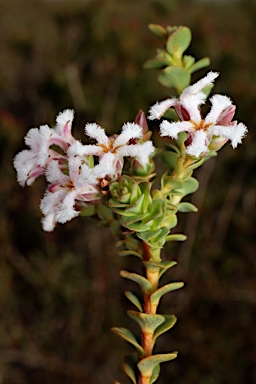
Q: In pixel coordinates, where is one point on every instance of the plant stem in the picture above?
(152, 275)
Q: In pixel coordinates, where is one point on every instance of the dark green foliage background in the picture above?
(61, 292)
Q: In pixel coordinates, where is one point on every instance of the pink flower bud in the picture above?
(141, 120)
(226, 116)
(217, 143)
(182, 112)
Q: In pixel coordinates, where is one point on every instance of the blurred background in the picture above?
(61, 292)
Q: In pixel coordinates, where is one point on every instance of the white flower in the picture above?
(158, 110)
(27, 167)
(81, 185)
(201, 132)
(218, 122)
(31, 163)
(118, 146)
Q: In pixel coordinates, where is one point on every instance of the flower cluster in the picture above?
(204, 134)
(76, 173)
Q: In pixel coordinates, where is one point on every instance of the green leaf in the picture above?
(158, 31)
(155, 374)
(155, 238)
(134, 300)
(156, 296)
(189, 186)
(176, 237)
(175, 77)
(127, 335)
(187, 207)
(133, 226)
(130, 367)
(169, 322)
(104, 213)
(156, 210)
(162, 265)
(170, 220)
(146, 366)
(155, 64)
(188, 61)
(159, 240)
(165, 265)
(179, 41)
(129, 253)
(90, 210)
(170, 114)
(145, 285)
(200, 64)
(148, 235)
(147, 322)
(170, 159)
(135, 208)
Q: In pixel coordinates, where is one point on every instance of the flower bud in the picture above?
(226, 116)
(141, 120)
(217, 143)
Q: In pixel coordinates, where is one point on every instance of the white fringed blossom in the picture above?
(119, 146)
(31, 163)
(73, 178)
(202, 132)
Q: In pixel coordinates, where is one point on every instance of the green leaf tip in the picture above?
(134, 300)
(146, 366)
(128, 336)
(187, 207)
(175, 77)
(179, 41)
(170, 321)
(158, 31)
(156, 296)
(130, 367)
(147, 322)
(145, 285)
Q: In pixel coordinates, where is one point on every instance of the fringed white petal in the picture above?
(157, 110)
(51, 200)
(172, 129)
(107, 165)
(54, 174)
(74, 164)
(24, 162)
(235, 133)
(145, 151)
(64, 122)
(94, 131)
(199, 144)
(140, 151)
(129, 131)
(66, 211)
(48, 222)
(239, 133)
(79, 149)
(190, 103)
(199, 85)
(65, 116)
(219, 104)
(38, 140)
(86, 176)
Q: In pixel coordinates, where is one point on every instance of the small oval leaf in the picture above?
(169, 322)
(147, 365)
(134, 300)
(179, 41)
(127, 335)
(147, 322)
(156, 296)
(145, 285)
